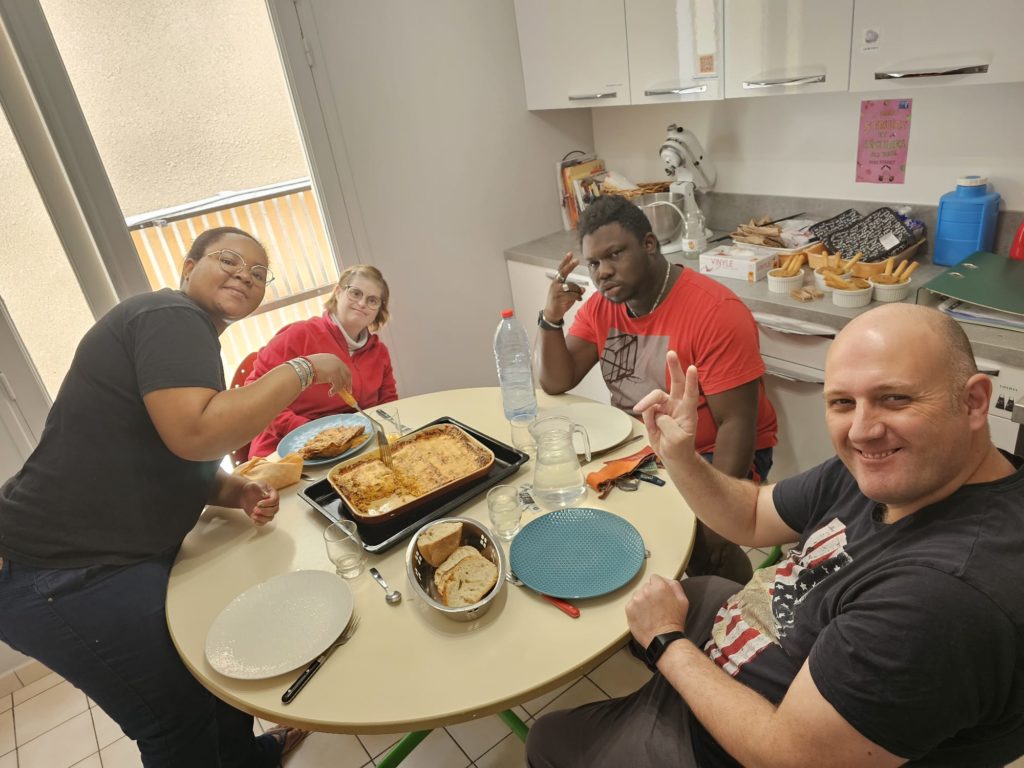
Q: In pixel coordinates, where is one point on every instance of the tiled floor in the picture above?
(51, 724)
(47, 723)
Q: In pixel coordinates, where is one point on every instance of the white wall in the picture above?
(448, 168)
(806, 146)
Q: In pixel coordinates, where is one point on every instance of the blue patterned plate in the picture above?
(298, 437)
(577, 552)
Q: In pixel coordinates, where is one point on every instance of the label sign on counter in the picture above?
(883, 141)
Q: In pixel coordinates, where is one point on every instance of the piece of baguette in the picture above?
(450, 562)
(471, 579)
(438, 542)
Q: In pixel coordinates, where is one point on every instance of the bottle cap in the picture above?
(507, 313)
(972, 181)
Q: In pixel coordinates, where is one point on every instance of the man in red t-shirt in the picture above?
(645, 307)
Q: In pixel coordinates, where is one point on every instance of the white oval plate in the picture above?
(606, 426)
(279, 625)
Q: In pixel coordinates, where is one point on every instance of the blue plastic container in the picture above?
(967, 221)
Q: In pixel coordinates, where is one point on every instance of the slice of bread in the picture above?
(469, 581)
(452, 560)
(438, 542)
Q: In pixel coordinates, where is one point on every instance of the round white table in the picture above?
(407, 668)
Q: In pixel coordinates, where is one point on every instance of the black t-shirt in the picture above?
(914, 630)
(101, 486)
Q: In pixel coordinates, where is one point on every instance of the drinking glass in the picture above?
(505, 511)
(345, 548)
(389, 422)
(522, 438)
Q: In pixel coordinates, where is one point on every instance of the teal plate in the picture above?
(577, 552)
(298, 437)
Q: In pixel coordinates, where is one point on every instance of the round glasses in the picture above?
(233, 263)
(357, 295)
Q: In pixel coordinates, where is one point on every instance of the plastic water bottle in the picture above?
(967, 221)
(515, 371)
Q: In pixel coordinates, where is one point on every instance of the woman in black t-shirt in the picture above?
(130, 455)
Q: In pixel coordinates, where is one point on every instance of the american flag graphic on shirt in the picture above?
(761, 613)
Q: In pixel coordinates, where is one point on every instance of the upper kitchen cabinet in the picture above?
(594, 53)
(786, 46)
(935, 42)
(675, 50)
(573, 52)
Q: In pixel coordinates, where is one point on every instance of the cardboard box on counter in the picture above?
(747, 262)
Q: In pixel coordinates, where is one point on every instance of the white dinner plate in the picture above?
(279, 625)
(606, 426)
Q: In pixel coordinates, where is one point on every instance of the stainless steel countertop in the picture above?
(999, 345)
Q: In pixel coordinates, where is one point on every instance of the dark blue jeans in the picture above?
(103, 628)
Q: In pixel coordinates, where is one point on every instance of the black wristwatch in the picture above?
(546, 324)
(659, 644)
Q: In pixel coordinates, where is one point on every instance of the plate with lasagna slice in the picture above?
(327, 439)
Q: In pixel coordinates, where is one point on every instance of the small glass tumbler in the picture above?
(505, 511)
(389, 422)
(345, 548)
(522, 438)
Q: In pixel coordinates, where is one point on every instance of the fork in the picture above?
(383, 445)
(318, 662)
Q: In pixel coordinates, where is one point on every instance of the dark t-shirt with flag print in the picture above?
(914, 631)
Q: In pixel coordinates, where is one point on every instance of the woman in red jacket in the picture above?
(357, 308)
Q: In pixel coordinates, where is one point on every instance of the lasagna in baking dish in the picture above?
(433, 459)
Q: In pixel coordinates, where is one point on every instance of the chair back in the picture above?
(241, 455)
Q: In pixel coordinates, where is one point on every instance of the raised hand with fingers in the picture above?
(562, 293)
(671, 418)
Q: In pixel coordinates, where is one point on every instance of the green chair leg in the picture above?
(401, 750)
(774, 555)
(517, 726)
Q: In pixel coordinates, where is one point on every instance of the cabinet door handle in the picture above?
(794, 377)
(976, 69)
(680, 91)
(589, 96)
(750, 84)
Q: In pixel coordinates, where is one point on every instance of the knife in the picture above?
(315, 664)
(776, 221)
(562, 605)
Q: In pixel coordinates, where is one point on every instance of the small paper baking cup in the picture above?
(784, 284)
(857, 298)
(891, 291)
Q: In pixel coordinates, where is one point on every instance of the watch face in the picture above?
(659, 644)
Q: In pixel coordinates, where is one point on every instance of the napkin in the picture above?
(278, 474)
(602, 480)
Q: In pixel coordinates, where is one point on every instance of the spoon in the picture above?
(393, 596)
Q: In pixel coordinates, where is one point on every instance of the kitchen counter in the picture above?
(1002, 346)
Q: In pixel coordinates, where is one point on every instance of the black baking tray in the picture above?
(322, 497)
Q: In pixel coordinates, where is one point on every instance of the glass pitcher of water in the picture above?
(558, 479)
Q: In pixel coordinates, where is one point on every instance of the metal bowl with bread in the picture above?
(423, 574)
(425, 464)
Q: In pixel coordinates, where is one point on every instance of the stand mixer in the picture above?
(683, 156)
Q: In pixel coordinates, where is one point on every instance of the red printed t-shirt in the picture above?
(707, 326)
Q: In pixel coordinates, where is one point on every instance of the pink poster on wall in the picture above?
(883, 141)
